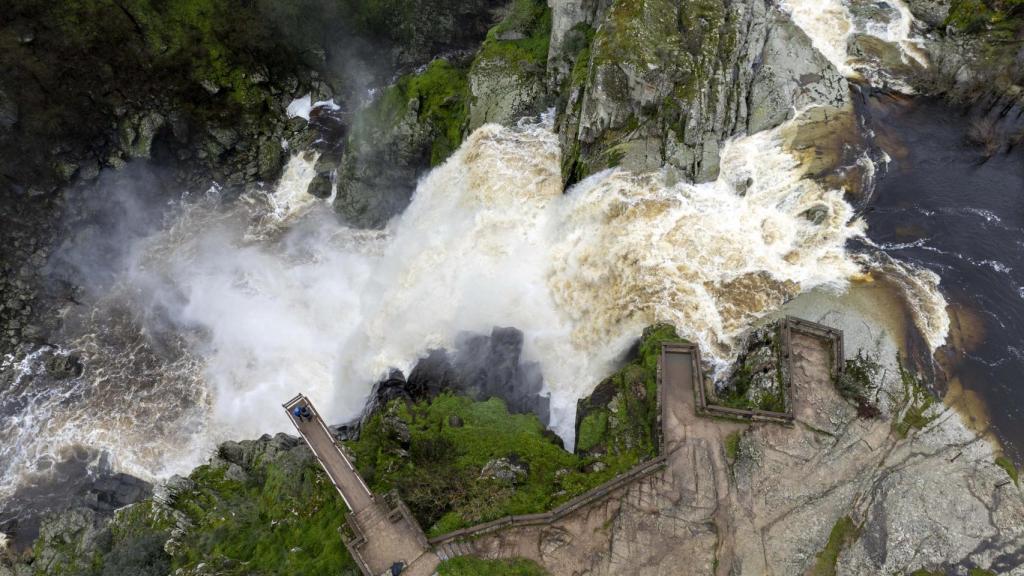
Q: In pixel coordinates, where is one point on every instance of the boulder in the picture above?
(508, 470)
(931, 12)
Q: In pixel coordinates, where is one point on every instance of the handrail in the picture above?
(541, 518)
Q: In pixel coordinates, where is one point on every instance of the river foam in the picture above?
(230, 312)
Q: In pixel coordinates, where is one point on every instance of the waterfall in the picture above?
(226, 312)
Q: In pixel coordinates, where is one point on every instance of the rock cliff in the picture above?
(666, 82)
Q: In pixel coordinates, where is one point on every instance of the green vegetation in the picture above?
(440, 470)
(619, 422)
(522, 37)
(281, 519)
(980, 572)
(758, 368)
(469, 566)
(457, 462)
(438, 96)
(278, 514)
(593, 430)
(915, 403)
(1011, 468)
(843, 533)
(927, 572)
(732, 445)
(857, 381)
(578, 41)
(1001, 19)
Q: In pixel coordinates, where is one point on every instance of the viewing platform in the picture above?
(380, 532)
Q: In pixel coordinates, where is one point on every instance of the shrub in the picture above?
(856, 382)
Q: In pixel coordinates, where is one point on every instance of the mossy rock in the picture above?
(621, 415)
(441, 470)
(412, 126)
(507, 78)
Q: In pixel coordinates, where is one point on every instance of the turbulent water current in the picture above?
(229, 309)
(224, 314)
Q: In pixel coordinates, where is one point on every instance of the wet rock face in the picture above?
(667, 83)
(481, 367)
(64, 494)
(493, 366)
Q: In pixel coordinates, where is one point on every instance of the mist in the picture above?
(207, 318)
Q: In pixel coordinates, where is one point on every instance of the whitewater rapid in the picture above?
(832, 24)
(228, 312)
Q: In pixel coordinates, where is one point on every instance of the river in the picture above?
(944, 204)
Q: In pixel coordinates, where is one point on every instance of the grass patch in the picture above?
(1011, 469)
(437, 468)
(980, 572)
(280, 520)
(732, 445)
(470, 566)
(278, 516)
(843, 533)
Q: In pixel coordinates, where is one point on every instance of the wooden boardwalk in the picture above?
(383, 532)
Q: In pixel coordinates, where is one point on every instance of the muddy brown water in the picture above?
(951, 199)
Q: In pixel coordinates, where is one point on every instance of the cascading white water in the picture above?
(830, 25)
(270, 301)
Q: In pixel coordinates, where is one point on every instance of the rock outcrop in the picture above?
(417, 122)
(666, 82)
(973, 50)
(507, 79)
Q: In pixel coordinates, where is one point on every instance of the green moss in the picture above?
(1002, 20)
(439, 96)
(530, 19)
(620, 419)
(593, 430)
(857, 381)
(1011, 468)
(980, 572)
(438, 472)
(732, 445)
(915, 403)
(278, 520)
(581, 36)
(470, 566)
(843, 533)
(442, 91)
(735, 394)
